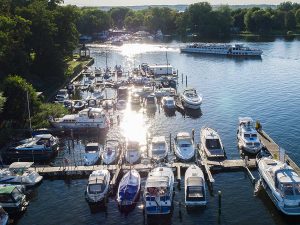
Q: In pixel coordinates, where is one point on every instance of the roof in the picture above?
(7, 189)
(158, 139)
(18, 165)
(160, 66)
(94, 144)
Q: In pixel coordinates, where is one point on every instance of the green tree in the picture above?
(285, 6)
(297, 16)
(118, 15)
(290, 20)
(15, 89)
(199, 16)
(41, 118)
(258, 21)
(134, 20)
(238, 18)
(2, 101)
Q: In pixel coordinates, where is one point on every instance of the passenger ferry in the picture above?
(221, 49)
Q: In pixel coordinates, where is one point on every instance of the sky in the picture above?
(168, 2)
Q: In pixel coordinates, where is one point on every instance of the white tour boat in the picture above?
(92, 154)
(20, 173)
(211, 143)
(98, 186)
(191, 99)
(159, 148)
(221, 49)
(247, 136)
(86, 118)
(184, 146)
(281, 183)
(194, 187)
(158, 193)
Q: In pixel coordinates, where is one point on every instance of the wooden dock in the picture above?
(273, 148)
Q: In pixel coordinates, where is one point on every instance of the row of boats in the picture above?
(158, 191)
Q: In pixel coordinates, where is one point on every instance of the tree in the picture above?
(297, 16)
(285, 6)
(258, 21)
(117, 15)
(15, 89)
(238, 19)
(2, 101)
(290, 20)
(199, 15)
(134, 20)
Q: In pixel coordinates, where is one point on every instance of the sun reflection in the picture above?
(131, 50)
(133, 126)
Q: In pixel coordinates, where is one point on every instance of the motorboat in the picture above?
(282, 184)
(211, 143)
(62, 95)
(20, 173)
(150, 101)
(121, 104)
(191, 99)
(79, 105)
(159, 148)
(162, 92)
(12, 200)
(86, 118)
(221, 49)
(158, 193)
(122, 92)
(108, 104)
(129, 189)
(132, 152)
(184, 146)
(168, 103)
(3, 216)
(135, 99)
(111, 151)
(91, 102)
(247, 136)
(41, 147)
(98, 93)
(194, 187)
(92, 154)
(97, 188)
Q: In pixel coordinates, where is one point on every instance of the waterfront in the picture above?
(266, 89)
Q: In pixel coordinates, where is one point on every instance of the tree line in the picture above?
(38, 37)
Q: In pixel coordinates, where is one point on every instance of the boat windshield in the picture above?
(158, 148)
(290, 189)
(195, 193)
(185, 145)
(213, 144)
(96, 188)
(16, 195)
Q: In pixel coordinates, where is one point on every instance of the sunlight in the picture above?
(131, 50)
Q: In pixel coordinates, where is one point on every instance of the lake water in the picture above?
(265, 89)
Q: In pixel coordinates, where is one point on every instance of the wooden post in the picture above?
(182, 78)
(170, 142)
(219, 211)
(185, 80)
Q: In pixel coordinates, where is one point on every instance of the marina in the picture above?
(150, 119)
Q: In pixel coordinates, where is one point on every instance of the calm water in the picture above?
(266, 89)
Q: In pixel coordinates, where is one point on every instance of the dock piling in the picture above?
(220, 204)
(185, 80)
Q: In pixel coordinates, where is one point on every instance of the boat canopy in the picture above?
(7, 189)
(20, 165)
(195, 181)
(158, 181)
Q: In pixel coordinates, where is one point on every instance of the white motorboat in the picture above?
(159, 148)
(135, 99)
(158, 193)
(111, 152)
(168, 102)
(86, 118)
(129, 189)
(41, 147)
(98, 186)
(150, 101)
(108, 104)
(247, 136)
(184, 146)
(282, 184)
(221, 49)
(194, 187)
(121, 104)
(132, 153)
(162, 92)
(211, 143)
(92, 154)
(20, 173)
(12, 199)
(62, 95)
(191, 99)
(79, 105)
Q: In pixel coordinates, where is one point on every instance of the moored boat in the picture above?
(194, 187)
(20, 173)
(132, 152)
(282, 184)
(184, 146)
(191, 99)
(111, 151)
(86, 118)
(247, 136)
(92, 154)
(158, 194)
(12, 199)
(159, 148)
(98, 186)
(129, 189)
(211, 143)
(168, 103)
(3, 216)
